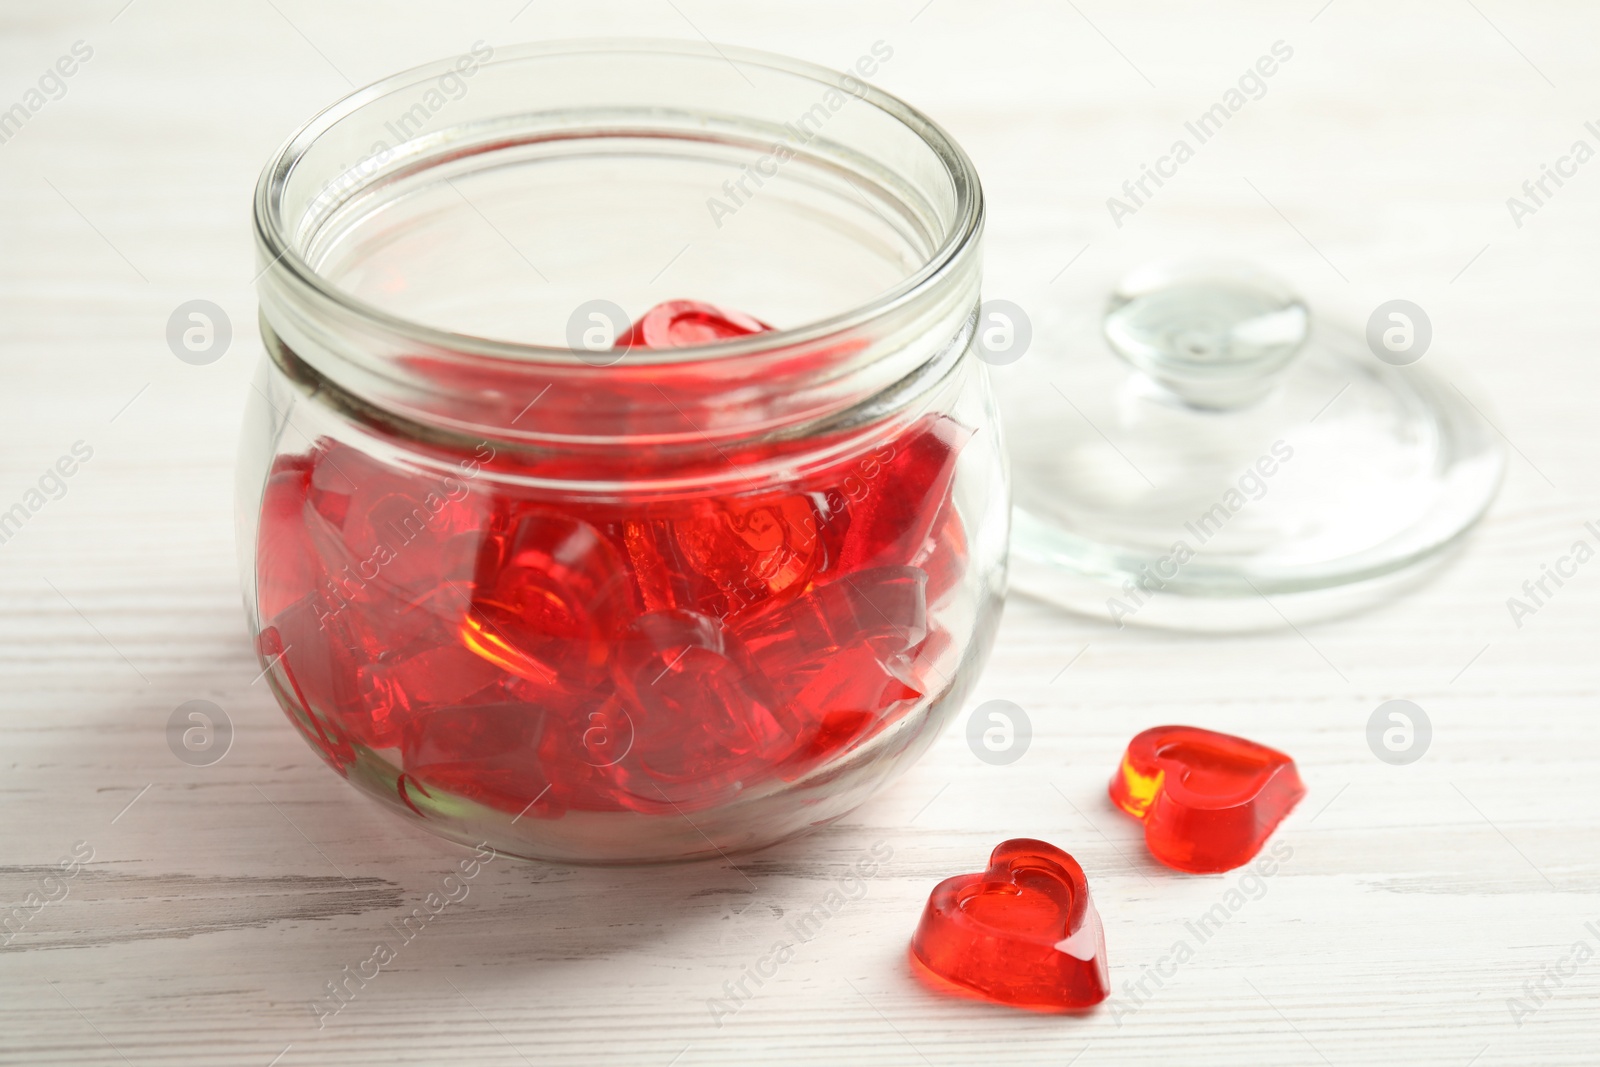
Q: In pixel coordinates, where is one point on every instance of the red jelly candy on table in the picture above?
(894, 501)
(1209, 801)
(681, 323)
(549, 595)
(1024, 932)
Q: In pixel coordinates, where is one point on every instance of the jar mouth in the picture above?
(281, 236)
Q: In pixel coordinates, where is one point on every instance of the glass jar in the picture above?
(531, 577)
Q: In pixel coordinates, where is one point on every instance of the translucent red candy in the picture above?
(1209, 801)
(548, 593)
(724, 557)
(286, 560)
(544, 654)
(1025, 932)
(681, 323)
(489, 754)
(892, 523)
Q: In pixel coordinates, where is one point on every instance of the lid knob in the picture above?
(1216, 335)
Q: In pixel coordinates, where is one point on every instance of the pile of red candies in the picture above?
(540, 653)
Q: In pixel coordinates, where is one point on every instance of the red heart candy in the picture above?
(1209, 801)
(548, 596)
(894, 503)
(1023, 933)
(681, 323)
(703, 718)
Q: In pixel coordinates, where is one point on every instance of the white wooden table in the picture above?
(1419, 901)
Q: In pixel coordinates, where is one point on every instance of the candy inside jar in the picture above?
(705, 587)
(541, 656)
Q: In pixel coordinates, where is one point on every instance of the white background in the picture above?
(1418, 900)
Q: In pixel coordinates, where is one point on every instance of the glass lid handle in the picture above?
(1215, 336)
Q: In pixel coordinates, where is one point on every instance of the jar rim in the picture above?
(286, 263)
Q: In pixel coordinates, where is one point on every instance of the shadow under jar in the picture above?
(586, 601)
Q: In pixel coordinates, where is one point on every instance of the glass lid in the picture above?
(1203, 457)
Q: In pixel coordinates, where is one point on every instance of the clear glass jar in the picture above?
(620, 604)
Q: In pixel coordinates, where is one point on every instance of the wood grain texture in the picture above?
(220, 903)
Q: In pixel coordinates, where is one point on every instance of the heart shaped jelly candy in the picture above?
(385, 530)
(702, 718)
(836, 656)
(1023, 933)
(1209, 801)
(549, 594)
(885, 606)
(751, 551)
(894, 503)
(722, 557)
(681, 323)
